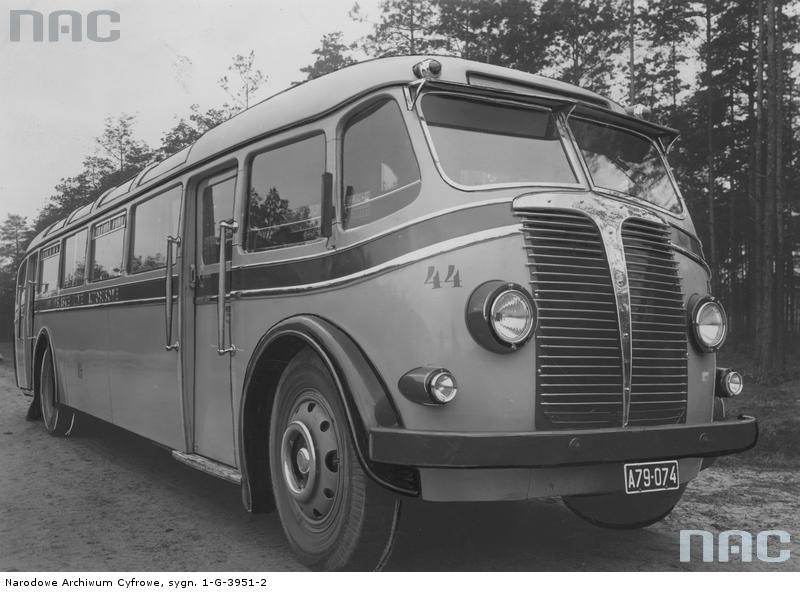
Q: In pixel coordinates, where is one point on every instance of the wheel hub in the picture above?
(310, 458)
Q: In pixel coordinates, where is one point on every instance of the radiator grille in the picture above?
(660, 378)
(578, 355)
(578, 352)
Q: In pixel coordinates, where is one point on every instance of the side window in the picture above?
(285, 200)
(48, 270)
(153, 221)
(107, 245)
(379, 170)
(216, 205)
(74, 260)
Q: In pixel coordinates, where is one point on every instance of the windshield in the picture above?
(480, 143)
(625, 162)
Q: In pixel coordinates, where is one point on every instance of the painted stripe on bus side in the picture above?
(326, 267)
(348, 261)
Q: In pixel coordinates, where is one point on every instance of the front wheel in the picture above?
(334, 515)
(624, 511)
(58, 421)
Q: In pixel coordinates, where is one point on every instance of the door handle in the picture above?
(225, 227)
(171, 240)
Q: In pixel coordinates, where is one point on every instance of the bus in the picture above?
(414, 277)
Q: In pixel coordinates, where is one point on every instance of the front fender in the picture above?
(365, 397)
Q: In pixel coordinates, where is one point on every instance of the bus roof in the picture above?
(312, 100)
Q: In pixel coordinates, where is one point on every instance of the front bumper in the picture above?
(560, 448)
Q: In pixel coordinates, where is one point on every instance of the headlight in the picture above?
(501, 316)
(511, 317)
(709, 323)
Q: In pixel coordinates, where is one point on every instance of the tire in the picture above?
(334, 516)
(58, 420)
(623, 511)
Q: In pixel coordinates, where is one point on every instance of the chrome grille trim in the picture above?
(611, 346)
(659, 384)
(578, 353)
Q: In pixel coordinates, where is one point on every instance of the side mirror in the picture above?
(326, 223)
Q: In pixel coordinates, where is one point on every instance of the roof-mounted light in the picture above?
(427, 69)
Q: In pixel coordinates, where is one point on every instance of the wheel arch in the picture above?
(364, 395)
(43, 341)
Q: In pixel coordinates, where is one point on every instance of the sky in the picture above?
(55, 96)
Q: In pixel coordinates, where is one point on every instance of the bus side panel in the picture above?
(402, 322)
(79, 339)
(702, 366)
(143, 376)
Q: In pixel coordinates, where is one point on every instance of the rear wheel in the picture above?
(334, 515)
(58, 421)
(624, 511)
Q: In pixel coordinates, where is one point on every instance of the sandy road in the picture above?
(107, 500)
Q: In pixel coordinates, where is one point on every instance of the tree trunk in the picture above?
(712, 230)
(631, 58)
(766, 350)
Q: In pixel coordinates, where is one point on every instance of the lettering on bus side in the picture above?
(104, 296)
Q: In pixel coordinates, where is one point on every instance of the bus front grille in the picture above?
(579, 356)
(659, 381)
(578, 352)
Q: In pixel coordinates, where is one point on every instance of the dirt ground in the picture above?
(107, 500)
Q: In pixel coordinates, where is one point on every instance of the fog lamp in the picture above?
(709, 323)
(442, 387)
(730, 383)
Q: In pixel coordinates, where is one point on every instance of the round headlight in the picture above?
(511, 316)
(710, 324)
(501, 316)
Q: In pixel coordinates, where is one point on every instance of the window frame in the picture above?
(358, 113)
(619, 194)
(128, 263)
(90, 279)
(209, 178)
(63, 265)
(573, 159)
(40, 269)
(248, 183)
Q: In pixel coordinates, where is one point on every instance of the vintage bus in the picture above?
(417, 276)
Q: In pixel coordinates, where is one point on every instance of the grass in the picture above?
(777, 407)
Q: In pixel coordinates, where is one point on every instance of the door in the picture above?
(213, 412)
(22, 326)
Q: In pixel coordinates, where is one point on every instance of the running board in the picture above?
(212, 467)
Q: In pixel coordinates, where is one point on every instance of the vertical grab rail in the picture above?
(222, 290)
(171, 240)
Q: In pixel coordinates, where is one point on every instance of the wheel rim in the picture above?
(47, 394)
(310, 459)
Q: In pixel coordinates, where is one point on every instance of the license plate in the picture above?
(651, 476)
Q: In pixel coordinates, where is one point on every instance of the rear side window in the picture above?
(153, 221)
(285, 201)
(48, 270)
(74, 260)
(380, 174)
(107, 245)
